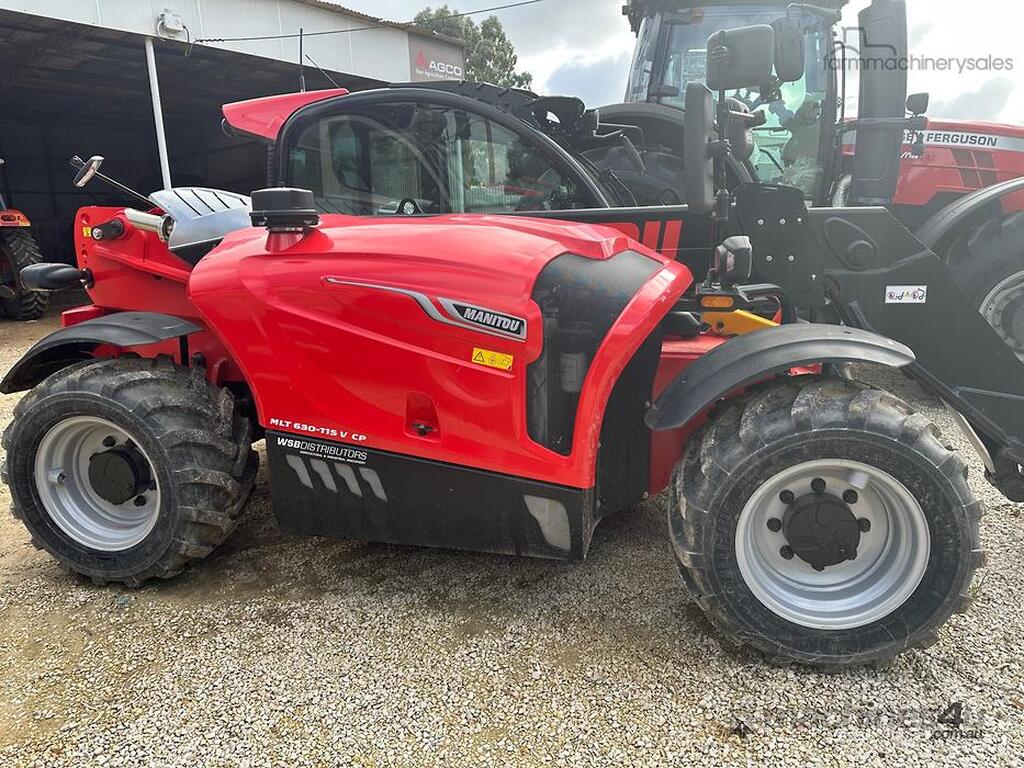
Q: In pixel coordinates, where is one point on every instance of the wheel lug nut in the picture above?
(786, 552)
(819, 567)
(787, 497)
(109, 442)
(140, 501)
(818, 485)
(850, 496)
(774, 525)
(865, 525)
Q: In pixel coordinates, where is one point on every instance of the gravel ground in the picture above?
(286, 651)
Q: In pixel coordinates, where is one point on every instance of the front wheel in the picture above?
(822, 522)
(127, 469)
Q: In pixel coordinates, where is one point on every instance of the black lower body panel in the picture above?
(330, 489)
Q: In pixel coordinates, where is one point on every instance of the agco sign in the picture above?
(432, 61)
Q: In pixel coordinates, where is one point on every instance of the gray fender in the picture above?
(935, 230)
(755, 356)
(69, 345)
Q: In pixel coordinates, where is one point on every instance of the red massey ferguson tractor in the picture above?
(961, 183)
(427, 372)
(18, 249)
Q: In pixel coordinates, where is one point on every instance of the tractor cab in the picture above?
(794, 138)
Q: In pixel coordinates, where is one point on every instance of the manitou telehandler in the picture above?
(961, 183)
(425, 373)
(18, 249)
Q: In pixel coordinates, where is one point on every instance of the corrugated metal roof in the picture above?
(408, 27)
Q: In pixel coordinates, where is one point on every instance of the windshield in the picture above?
(788, 145)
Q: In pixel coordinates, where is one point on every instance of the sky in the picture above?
(584, 47)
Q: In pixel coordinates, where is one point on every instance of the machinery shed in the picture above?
(77, 78)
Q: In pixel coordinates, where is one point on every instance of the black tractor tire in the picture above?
(786, 424)
(18, 249)
(990, 257)
(197, 442)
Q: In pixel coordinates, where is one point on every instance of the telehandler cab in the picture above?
(503, 383)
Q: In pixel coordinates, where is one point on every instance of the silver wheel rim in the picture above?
(892, 556)
(62, 480)
(1007, 294)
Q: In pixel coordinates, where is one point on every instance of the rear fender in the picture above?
(755, 356)
(122, 330)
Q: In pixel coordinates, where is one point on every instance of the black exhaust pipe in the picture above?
(882, 44)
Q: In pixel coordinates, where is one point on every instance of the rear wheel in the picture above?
(989, 267)
(18, 249)
(823, 522)
(127, 469)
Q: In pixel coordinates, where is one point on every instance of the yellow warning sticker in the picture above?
(492, 359)
(86, 232)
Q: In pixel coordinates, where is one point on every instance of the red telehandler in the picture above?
(18, 249)
(427, 372)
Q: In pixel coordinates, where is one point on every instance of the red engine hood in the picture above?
(262, 118)
(976, 126)
(464, 256)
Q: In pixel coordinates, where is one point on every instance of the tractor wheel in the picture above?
(18, 249)
(824, 523)
(989, 267)
(128, 469)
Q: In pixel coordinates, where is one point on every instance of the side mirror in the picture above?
(734, 261)
(698, 168)
(741, 58)
(917, 103)
(789, 50)
(86, 169)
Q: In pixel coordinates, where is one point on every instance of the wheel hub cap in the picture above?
(821, 530)
(119, 474)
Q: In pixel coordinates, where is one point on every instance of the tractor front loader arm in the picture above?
(881, 278)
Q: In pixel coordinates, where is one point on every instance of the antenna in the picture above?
(302, 71)
(311, 61)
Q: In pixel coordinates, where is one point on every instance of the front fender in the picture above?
(70, 345)
(939, 226)
(750, 358)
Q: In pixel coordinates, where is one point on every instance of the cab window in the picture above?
(417, 157)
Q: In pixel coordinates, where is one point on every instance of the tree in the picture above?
(490, 55)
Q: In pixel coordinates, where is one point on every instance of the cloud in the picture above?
(977, 104)
(918, 32)
(597, 83)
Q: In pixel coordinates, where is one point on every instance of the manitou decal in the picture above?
(456, 313)
(487, 318)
